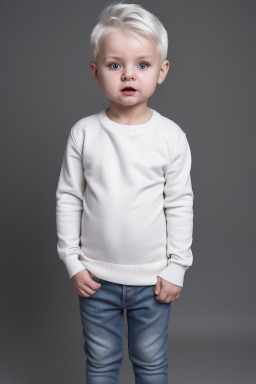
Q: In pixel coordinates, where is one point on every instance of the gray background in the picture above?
(209, 91)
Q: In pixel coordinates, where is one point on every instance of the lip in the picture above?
(128, 88)
(128, 92)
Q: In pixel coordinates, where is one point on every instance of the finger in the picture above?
(169, 299)
(166, 301)
(92, 286)
(89, 286)
(159, 299)
(82, 293)
(88, 290)
(82, 287)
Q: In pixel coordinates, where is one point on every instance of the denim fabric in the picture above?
(102, 322)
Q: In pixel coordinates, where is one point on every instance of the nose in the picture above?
(128, 74)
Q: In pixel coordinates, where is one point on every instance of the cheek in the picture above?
(110, 82)
(107, 77)
(150, 85)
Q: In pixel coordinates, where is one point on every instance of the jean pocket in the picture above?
(95, 278)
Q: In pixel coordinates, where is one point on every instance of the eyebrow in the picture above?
(118, 57)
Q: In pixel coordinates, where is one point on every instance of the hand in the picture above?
(166, 291)
(84, 284)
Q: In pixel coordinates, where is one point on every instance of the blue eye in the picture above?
(143, 64)
(110, 65)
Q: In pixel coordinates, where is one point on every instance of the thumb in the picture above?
(157, 287)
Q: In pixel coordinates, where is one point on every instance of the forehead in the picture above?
(125, 43)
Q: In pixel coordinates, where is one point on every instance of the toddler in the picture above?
(124, 210)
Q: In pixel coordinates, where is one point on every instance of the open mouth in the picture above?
(128, 90)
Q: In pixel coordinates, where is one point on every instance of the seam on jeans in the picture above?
(132, 298)
(128, 302)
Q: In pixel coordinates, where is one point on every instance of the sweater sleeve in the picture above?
(178, 206)
(69, 206)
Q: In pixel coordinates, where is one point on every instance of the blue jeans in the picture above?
(102, 321)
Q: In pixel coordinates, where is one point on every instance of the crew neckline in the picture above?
(129, 129)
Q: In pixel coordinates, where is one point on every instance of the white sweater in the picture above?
(125, 202)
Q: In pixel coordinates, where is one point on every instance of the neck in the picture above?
(130, 115)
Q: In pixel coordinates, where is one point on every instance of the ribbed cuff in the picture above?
(73, 265)
(174, 273)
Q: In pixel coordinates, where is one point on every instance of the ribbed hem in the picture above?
(113, 126)
(128, 274)
(174, 273)
(73, 265)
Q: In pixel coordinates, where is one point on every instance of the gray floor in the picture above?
(207, 363)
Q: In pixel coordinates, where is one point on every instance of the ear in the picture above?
(93, 68)
(163, 71)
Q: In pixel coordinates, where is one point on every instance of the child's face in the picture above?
(136, 63)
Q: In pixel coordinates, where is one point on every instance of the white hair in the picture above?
(134, 19)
